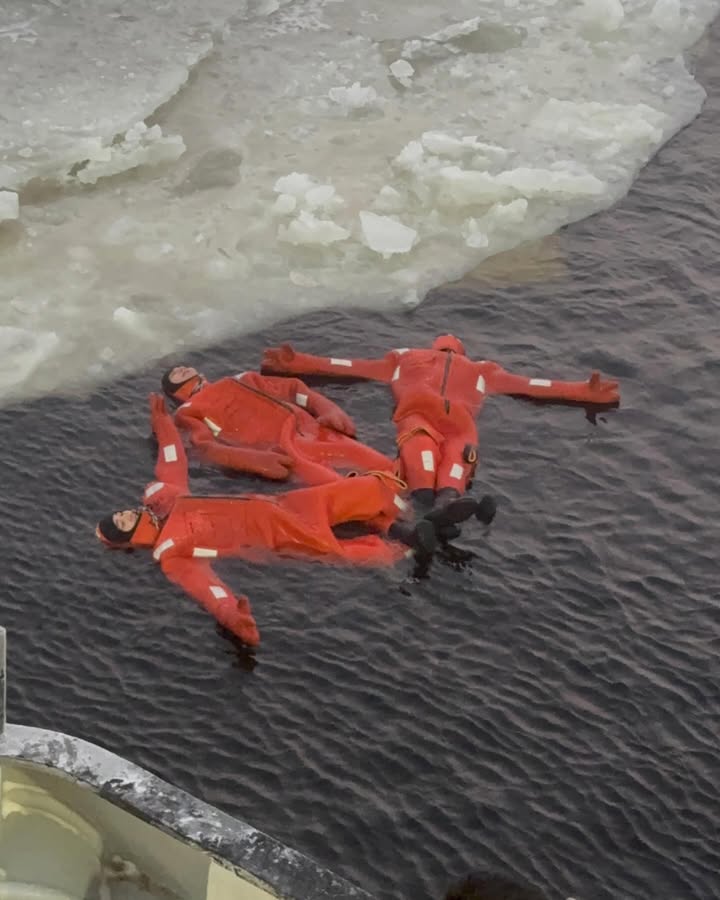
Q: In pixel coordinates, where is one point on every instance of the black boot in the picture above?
(453, 513)
(419, 536)
(422, 500)
(487, 507)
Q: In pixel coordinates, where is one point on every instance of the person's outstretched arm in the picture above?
(196, 577)
(204, 437)
(171, 465)
(287, 361)
(594, 390)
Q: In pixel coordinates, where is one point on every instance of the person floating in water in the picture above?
(187, 533)
(273, 427)
(438, 393)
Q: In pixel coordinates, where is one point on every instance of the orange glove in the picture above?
(157, 407)
(338, 421)
(266, 463)
(276, 359)
(271, 464)
(599, 391)
(237, 618)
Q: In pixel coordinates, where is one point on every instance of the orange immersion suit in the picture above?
(186, 533)
(252, 422)
(438, 393)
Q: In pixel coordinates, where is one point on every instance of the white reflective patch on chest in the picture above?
(154, 488)
(340, 362)
(166, 545)
(205, 552)
(170, 453)
(396, 373)
(541, 382)
(457, 471)
(213, 426)
(480, 386)
(301, 399)
(218, 592)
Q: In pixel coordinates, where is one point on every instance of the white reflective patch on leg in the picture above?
(540, 382)
(217, 591)
(457, 471)
(399, 502)
(166, 545)
(480, 386)
(154, 488)
(204, 552)
(170, 453)
(340, 362)
(396, 374)
(213, 426)
(428, 460)
(301, 399)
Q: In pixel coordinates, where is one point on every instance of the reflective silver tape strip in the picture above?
(480, 386)
(170, 453)
(340, 362)
(457, 471)
(399, 502)
(214, 427)
(166, 545)
(301, 399)
(396, 374)
(540, 382)
(239, 376)
(428, 460)
(218, 592)
(204, 552)
(402, 350)
(154, 488)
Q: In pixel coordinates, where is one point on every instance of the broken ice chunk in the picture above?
(9, 206)
(354, 97)
(402, 71)
(307, 229)
(386, 236)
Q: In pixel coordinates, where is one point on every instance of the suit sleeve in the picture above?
(266, 463)
(288, 361)
(171, 465)
(231, 611)
(594, 390)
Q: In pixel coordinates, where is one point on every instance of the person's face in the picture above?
(126, 519)
(182, 373)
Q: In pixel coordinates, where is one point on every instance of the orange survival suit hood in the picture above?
(144, 534)
(449, 342)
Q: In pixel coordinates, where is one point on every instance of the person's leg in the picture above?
(419, 453)
(372, 498)
(340, 451)
(454, 469)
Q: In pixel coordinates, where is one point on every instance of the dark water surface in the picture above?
(551, 710)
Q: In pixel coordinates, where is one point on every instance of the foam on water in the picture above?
(313, 154)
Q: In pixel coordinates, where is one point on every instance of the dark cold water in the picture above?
(552, 710)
